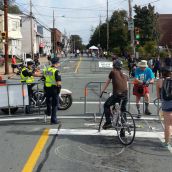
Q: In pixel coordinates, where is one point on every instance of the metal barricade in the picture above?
(93, 91)
(15, 95)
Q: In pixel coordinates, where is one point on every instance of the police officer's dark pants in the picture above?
(52, 102)
(111, 101)
(30, 95)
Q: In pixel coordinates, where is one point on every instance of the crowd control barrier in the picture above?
(15, 95)
(93, 104)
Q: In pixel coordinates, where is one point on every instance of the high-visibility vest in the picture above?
(49, 74)
(27, 79)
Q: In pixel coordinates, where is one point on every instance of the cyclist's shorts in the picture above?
(140, 90)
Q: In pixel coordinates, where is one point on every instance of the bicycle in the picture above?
(157, 103)
(121, 121)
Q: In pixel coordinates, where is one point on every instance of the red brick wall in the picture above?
(165, 28)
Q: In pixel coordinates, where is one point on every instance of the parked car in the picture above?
(2, 60)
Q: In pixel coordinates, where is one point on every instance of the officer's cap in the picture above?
(30, 63)
(55, 60)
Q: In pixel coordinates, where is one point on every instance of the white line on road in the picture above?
(96, 102)
(85, 132)
(64, 117)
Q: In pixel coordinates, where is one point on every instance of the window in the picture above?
(14, 26)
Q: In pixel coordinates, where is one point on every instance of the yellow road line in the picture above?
(30, 164)
(78, 65)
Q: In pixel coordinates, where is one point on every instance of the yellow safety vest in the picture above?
(27, 79)
(49, 74)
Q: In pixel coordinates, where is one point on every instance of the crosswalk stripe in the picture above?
(90, 132)
(65, 117)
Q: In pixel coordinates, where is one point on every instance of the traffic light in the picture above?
(3, 35)
(137, 33)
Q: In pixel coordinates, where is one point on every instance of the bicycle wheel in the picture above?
(102, 120)
(126, 128)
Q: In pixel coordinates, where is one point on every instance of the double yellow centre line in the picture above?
(78, 65)
(31, 162)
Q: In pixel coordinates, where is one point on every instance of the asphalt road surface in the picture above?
(29, 143)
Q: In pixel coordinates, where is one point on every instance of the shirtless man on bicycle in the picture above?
(120, 91)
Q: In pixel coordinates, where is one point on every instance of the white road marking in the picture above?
(96, 102)
(86, 132)
(64, 117)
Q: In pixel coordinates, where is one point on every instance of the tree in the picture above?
(12, 8)
(118, 30)
(76, 42)
(146, 20)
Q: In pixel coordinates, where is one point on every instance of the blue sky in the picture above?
(80, 16)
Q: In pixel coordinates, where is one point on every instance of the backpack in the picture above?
(166, 90)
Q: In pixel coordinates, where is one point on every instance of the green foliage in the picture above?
(163, 54)
(150, 48)
(146, 20)
(116, 51)
(13, 9)
(118, 32)
(76, 42)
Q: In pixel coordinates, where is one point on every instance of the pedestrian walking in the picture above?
(143, 77)
(164, 92)
(156, 67)
(13, 63)
(52, 89)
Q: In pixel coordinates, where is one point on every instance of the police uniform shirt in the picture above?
(26, 73)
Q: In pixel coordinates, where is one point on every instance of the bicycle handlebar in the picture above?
(109, 93)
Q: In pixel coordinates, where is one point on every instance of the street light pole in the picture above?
(107, 22)
(6, 37)
(53, 34)
(31, 30)
(131, 30)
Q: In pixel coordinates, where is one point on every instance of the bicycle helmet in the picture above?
(117, 64)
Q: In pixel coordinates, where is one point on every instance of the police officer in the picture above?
(27, 76)
(52, 88)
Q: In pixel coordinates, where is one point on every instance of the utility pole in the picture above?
(131, 30)
(99, 30)
(31, 30)
(6, 37)
(53, 34)
(107, 22)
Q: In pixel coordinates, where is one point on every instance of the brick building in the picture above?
(165, 28)
(56, 39)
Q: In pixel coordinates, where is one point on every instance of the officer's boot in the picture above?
(147, 112)
(138, 109)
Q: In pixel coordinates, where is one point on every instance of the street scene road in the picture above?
(30, 143)
(85, 86)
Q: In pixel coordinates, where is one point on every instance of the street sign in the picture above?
(105, 64)
(130, 24)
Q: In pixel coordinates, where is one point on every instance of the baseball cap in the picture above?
(55, 60)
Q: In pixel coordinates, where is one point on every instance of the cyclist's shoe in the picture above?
(107, 125)
(147, 112)
(166, 145)
(122, 133)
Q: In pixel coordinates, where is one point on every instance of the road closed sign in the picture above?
(105, 64)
